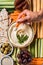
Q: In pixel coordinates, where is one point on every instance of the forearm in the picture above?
(38, 16)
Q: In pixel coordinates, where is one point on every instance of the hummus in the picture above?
(23, 29)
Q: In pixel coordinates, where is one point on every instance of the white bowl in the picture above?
(9, 52)
(11, 60)
(30, 39)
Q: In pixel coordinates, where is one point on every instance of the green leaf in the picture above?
(22, 38)
(25, 38)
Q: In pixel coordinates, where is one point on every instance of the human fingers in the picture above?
(22, 13)
(23, 19)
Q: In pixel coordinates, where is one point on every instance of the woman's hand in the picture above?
(30, 16)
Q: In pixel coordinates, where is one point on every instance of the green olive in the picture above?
(3, 46)
(6, 44)
(2, 50)
(5, 52)
(6, 49)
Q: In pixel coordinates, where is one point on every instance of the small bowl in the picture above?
(9, 52)
(11, 60)
(12, 26)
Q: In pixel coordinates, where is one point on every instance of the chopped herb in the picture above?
(25, 37)
(22, 38)
(18, 37)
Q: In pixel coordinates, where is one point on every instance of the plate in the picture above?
(12, 40)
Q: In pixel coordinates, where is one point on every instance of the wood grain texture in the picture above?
(41, 31)
(38, 24)
(34, 9)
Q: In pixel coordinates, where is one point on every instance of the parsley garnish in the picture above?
(22, 38)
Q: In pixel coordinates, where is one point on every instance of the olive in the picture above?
(25, 57)
(2, 50)
(29, 59)
(6, 49)
(24, 61)
(3, 46)
(5, 52)
(21, 52)
(26, 52)
(22, 58)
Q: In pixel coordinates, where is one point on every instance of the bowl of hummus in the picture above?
(20, 36)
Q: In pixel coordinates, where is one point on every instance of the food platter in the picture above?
(24, 30)
(34, 47)
(8, 44)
